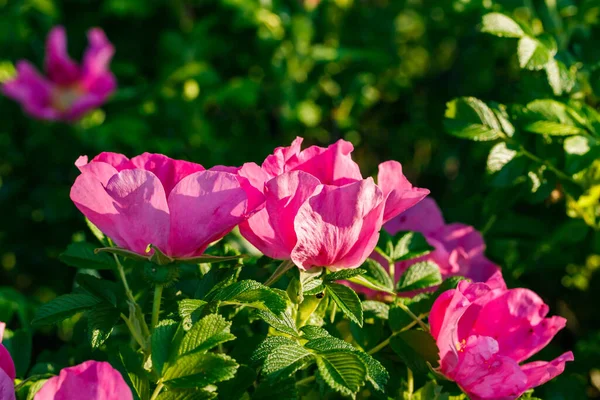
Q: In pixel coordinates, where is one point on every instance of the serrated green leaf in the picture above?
(343, 372)
(130, 365)
(101, 288)
(252, 294)
(404, 245)
(376, 277)
(282, 322)
(470, 118)
(431, 391)
(82, 255)
(533, 53)
(190, 310)
(161, 342)
(344, 274)
(285, 360)
(313, 287)
(347, 300)
(215, 280)
(197, 370)
(552, 128)
(550, 117)
(268, 345)
(311, 332)
(101, 321)
(501, 25)
(376, 373)
(63, 307)
(207, 333)
(420, 275)
(375, 309)
(416, 349)
(189, 394)
(499, 156)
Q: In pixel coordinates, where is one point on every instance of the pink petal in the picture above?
(168, 170)
(332, 165)
(205, 206)
(255, 175)
(252, 179)
(32, 91)
(6, 363)
(102, 171)
(96, 76)
(59, 66)
(7, 387)
(276, 163)
(425, 217)
(119, 161)
(271, 230)
(401, 195)
(132, 210)
(540, 372)
(484, 374)
(91, 380)
(516, 320)
(82, 105)
(339, 226)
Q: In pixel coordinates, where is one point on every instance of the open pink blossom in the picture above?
(319, 211)
(334, 166)
(458, 248)
(175, 205)
(91, 380)
(7, 370)
(69, 90)
(484, 333)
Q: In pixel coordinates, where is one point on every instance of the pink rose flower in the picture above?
(177, 206)
(70, 90)
(91, 380)
(484, 333)
(7, 370)
(319, 211)
(458, 248)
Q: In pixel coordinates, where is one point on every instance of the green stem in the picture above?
(413, 316)
(548, 165)
(380, 346)
(133, 331)
(157, 390)
(138, 311)
(410, 381)
(284, 267)
(158, 289)
(305, 381)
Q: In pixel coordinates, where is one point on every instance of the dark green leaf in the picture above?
(253, 294)
(161, 342)
(82, 255)
(197, 370)
(470, 118)
(187, 394)
(404, 245)
(343, 372)
(205, 334)
(282, 322)
(416, 349)
(347, 300)
(208, 259)
(101, 288)
(344, 274)
(550, 117)
(18, 344)
(284, 389)
(101, 321)
(311, 332)
(419, 276)
(286, 359)
(63, 307)
(268, 345)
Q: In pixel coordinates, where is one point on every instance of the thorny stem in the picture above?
(157, 390)
(158, 289)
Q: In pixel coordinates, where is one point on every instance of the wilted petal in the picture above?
(400, 193)
(516, 320)
(7, 387)
(540, 372)
(272, 230)
(91, 380)
(32, 91)
(169, 171)
(204, 206)
(339, 226)
(425, 217)
(61, 69)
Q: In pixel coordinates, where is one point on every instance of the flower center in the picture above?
(63, 97)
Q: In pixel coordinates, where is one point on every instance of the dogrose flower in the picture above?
(484, 333)
(319, 211)
(177, 206)
(91, 380)
(70, 90)
(458, 248)
(7, 370)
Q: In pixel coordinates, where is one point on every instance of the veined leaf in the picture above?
(253, 294)
(470, 118)
(101, 321)
(499, 156)
(550, 117)
(189, 394)
(268, 345)
(376, 278)
(101, 288)
(286, 359)
(197, 370)
(63, 307)
(343, 274)
(420, 276)
(404, 245)
(82, 255)
(205, 334)
(347, 300)
(282, 322)
(162, 338)
(344, 372)
(311, 332)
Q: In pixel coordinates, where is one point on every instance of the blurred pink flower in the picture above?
(319, 211)
(458, 248)
(70, 90)
(7, 370)
(91, 380)
(177, 206)
(484, 332)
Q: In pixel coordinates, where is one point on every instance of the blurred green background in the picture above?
(226, 81)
